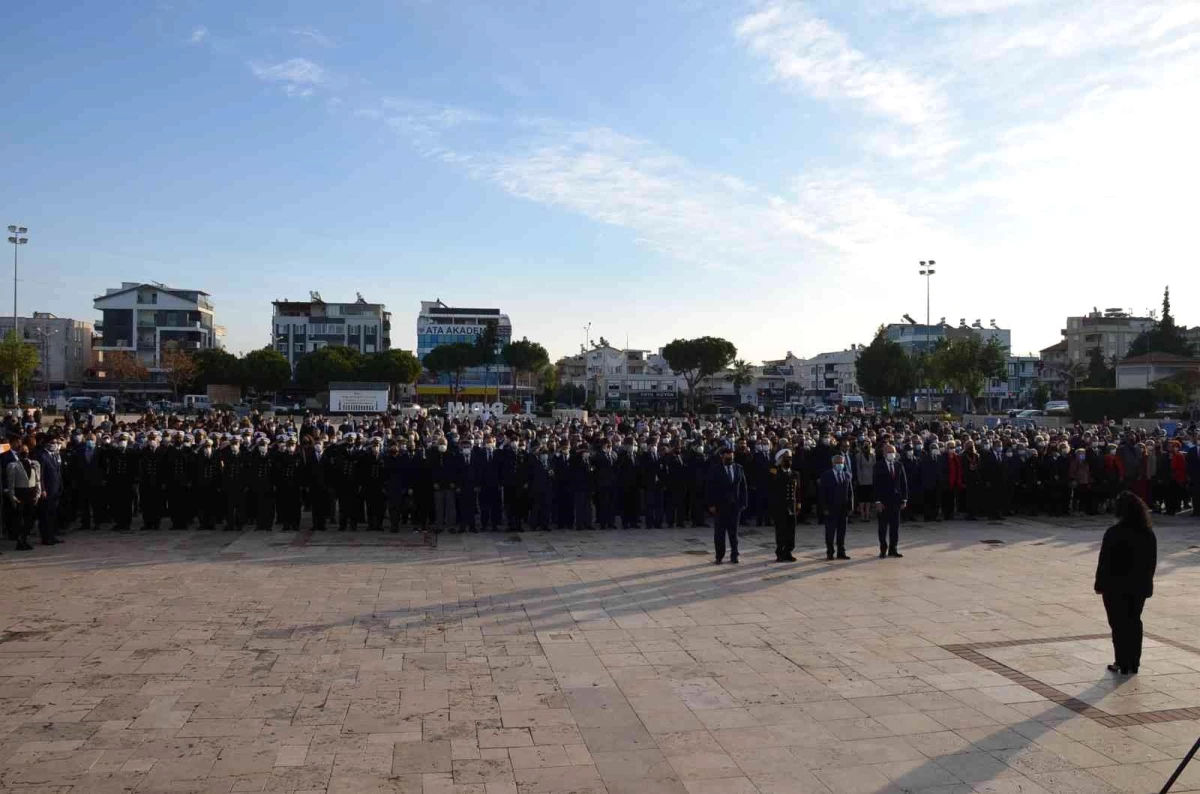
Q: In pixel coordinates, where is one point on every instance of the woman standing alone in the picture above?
(1125, 578)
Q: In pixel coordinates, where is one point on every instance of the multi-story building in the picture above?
(1112, 330)
(439, 324)
(1192, 335)
(831, 375)
(64, 349)
(147, 319)
(300, 327)
(917, 338)
(630, 379)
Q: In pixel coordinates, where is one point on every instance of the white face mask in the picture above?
(262, 449)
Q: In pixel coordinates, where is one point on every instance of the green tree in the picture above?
(391, 367)
(316, 370)
(265, 370)
(966, 363)
(1167, 391)
(452, 360)
(525, 357)
(1100, 375)
(884, 370)
(1041, 396)
(1164, 337)
(696, 359)
(487, 354)
(742, 374)
(216, 366)
(17, 358)
(548, 376)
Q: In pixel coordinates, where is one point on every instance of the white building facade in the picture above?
(300, 327)
(1112, 330)
(64, 348)
(147, 319)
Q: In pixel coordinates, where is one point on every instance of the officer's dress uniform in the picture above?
(784, 485)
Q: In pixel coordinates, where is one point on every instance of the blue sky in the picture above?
(768, 171)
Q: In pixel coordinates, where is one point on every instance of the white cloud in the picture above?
(198, 35)
(298, 76)
(806, 51)
(313, 36)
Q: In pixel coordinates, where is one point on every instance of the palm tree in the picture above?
(742, 374)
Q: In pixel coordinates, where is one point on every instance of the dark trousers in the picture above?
(24, 513)
(48, 518)
(835, 530)
(726, 526)
(760, 498)
(1125, 619)
(930, 501)
(375, 509)
(211, 506)
(318, 500)
(948, 497)
(180, 503)
(350, 508)
(514, 506)
(606, 513)
(235, 508)
(288, 505)
(583, 509)
(152, 506)
(264, 511)
(93, 506)
(121, 504)
(785, 534)
(543, 509)
(489, 507)
(654, 507)
(889, 528)
(465, 509)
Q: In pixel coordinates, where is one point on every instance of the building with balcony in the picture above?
(300, 327)
(830, 376)
(146, 319)
(440, 324)
(917, 338)
(1112, 331)
(64, 347)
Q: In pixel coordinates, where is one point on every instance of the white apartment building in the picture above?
(300, 327)
(1112, 330)
(622, 378)
(148, 318)
(829, 374)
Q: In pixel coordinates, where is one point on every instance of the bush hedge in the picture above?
(1093, 405)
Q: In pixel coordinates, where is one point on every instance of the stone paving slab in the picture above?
(610, 662)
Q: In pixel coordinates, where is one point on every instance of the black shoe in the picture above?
(843, 556)
(789, 558)
(829, 555)
(717, 561)
(894, 554)
(1113, 668)
(23, 546)
(882, 554)
(733, 560)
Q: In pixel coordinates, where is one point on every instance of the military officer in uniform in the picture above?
(785, 504)
(208, 477)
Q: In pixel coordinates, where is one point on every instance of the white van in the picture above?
(853, 401)
(196, 402)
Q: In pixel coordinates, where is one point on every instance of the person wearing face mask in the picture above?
(629, 494)
(287, 474)
(991, 480)
(836, 492)
(564, 500)
(317, 476)
(604, 463)
(516, 486)
(541, 491)
(181, 473)
(465, 504)
(928, 480)
(485, 472)
(1079, 477)
(151, 483)
(345, 464)
(261, 479)
(727, 496)
(23, 490)
(48, 459)
(92, 496)
(211, 500)
(235, 483)
(120, 474)
(652, 481)
(785, 504)
(582, 483)
(758, 465)
(440, 464)
(891, 495)
(372, 479)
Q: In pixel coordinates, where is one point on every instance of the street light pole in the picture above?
(17, 238)
(927, 271)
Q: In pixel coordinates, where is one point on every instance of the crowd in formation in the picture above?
(443, 474)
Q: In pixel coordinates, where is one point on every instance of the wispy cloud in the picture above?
(199, 34)
(298, 76)
(805, 51)
(312, 35)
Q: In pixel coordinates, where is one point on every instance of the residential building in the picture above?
(1140, 372)
(439, 324)
(831, 376)
(64, 349)
(300, 327)
(916, 338)
(1054, 367)
(1192, 335)
(1112, 330)
(147, 319)
(629, 379)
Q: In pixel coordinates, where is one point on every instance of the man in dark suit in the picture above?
(47, 456)
(891, 496)
(784, 490)
(727, 497)
(485, 470)
(836, 493)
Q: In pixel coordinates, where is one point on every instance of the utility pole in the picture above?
(927, 271)
(17, 238)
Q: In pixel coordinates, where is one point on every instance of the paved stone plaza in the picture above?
(616, 662)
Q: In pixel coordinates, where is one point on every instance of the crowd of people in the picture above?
(470, 474)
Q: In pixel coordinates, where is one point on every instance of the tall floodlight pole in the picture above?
(17, 238)
(927, 271)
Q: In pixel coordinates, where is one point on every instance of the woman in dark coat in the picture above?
(1125, 578)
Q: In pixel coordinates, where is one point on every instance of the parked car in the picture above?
(1030, 413)
(1058, 408)
(81, 404)
(823, 410)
